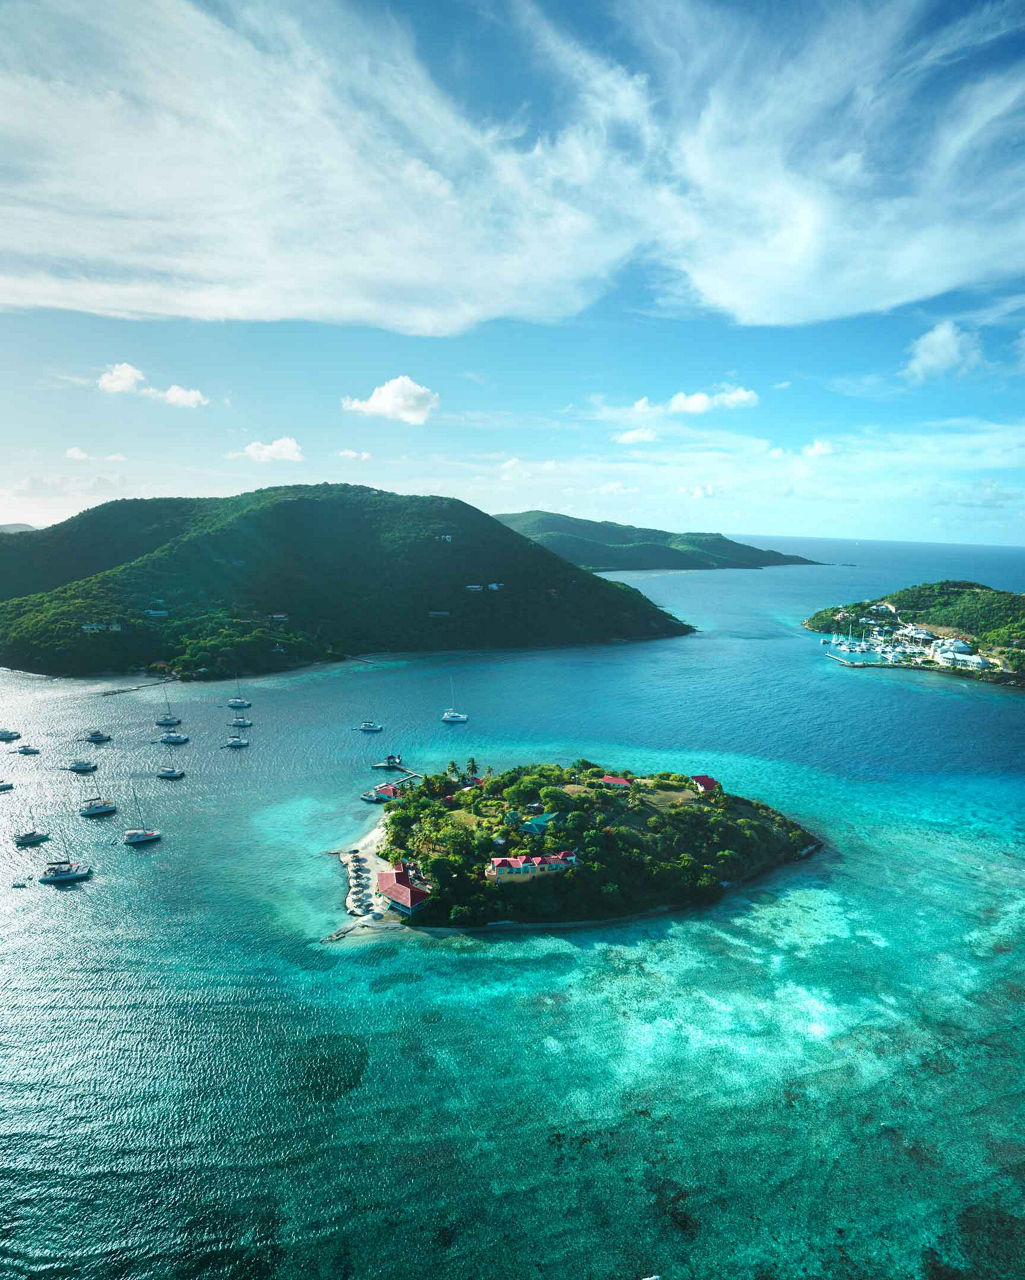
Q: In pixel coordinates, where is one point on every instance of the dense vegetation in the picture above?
(656, 844)
(194, 583)
(990, 619)
(603, 545)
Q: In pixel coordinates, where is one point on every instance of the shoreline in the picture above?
(367, 848)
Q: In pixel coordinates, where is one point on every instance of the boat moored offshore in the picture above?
(65, 871)
(82, 766)
(174, 739)
(9, 735)
(96, 736)
(26, 839)
(97, 807)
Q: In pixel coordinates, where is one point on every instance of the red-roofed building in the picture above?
(398, 887)
(610, 780)
(388, 789)
(706, 786)
(518, 869)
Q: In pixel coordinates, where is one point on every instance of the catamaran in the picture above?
(96, 735)
(174, 739)
(140, 834)
(238, 703)
(97, 807)
(65, 872)
(81, 766)
(236, 742)
(450, 715)
(170, 772)
(168, 720)
(370, 726)
(26, 750)
(240, 722)
(9, 735)
(26, 839)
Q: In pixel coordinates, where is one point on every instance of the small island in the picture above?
(548, 845)
(961, 628)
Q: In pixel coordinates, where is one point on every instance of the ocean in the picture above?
(820, 1076)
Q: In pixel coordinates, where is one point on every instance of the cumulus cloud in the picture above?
(817, 449)
(284, 449)
(354, 455)
(776, 166)
(400, 399)
(682, 404)
(946, 348)
(79, 455)
(125, 379)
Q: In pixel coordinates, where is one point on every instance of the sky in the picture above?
(698, 266)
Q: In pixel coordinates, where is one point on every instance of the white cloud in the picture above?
(122, 379)
(725, 397)
(119, 378)
(817, 449)
(79, 455)
(355, 455)
(781, 386)
(944, 349)
(780, 171)
(284, 449)
(636, 435)
(178, 396)
(401, 399)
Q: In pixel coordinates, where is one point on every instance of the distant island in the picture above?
(206, 587)
(16, 528)
(601, 545)
(963, 628)
(546, 844)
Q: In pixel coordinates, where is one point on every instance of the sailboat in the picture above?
(65, 872)
(240, 722)
(450, 715)
(238, 703)
(140, 834)
(168, 720)
(25, 839)
(97, 807)
(170, 772)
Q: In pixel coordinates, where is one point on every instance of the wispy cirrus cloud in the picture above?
(777, 171)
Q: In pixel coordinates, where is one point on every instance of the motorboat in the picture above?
(174, 739)
(65, 872)
(452, 716)
(239, 704)
(370, 726)
(82, 766)
(97, 807)
(170, 773)
(237, 742)
(141, 835)
(25, 839)
(97, 735)
(26, 750)
(9, 735)
(6, 786)
(240, 722)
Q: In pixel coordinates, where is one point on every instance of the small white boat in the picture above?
(82, 766)
(236, 742)
(141, 835)
(9, 735)
(97, 807)
(170, 773)
(452, 716)
(370, 726)
(97, 735)
(65, 872)
(26, 839)
(174, 739)
(6, 786)
(168, 720)
(240, 722)
(238, 704)
(26, 750)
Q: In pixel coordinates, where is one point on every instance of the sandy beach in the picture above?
(365, 906)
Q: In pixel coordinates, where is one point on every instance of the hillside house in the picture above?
(706, 786)
(613, 780)
(517, 870)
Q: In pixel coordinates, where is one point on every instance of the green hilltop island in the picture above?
(961, 628)
(604, 546)
(203, 588)
(547, 845)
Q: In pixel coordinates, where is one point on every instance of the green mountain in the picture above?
(15, 528)
(603, 545)
(280, 577)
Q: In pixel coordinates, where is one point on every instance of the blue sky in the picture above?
(701, 266)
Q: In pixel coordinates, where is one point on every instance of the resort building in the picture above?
(539, 824)
(706, 786)
(612, 780)
(516, 870)
(398, 887)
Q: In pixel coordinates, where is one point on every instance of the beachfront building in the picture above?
(519, 869)
(705, 785)
(399, 887)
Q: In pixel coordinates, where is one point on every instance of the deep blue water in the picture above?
(821, 1076)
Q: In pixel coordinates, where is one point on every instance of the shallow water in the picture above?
(818, 1077)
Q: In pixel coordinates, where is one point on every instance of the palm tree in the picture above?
(452, 769)
(471, 767)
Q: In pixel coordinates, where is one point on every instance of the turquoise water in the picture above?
(819, 1077)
